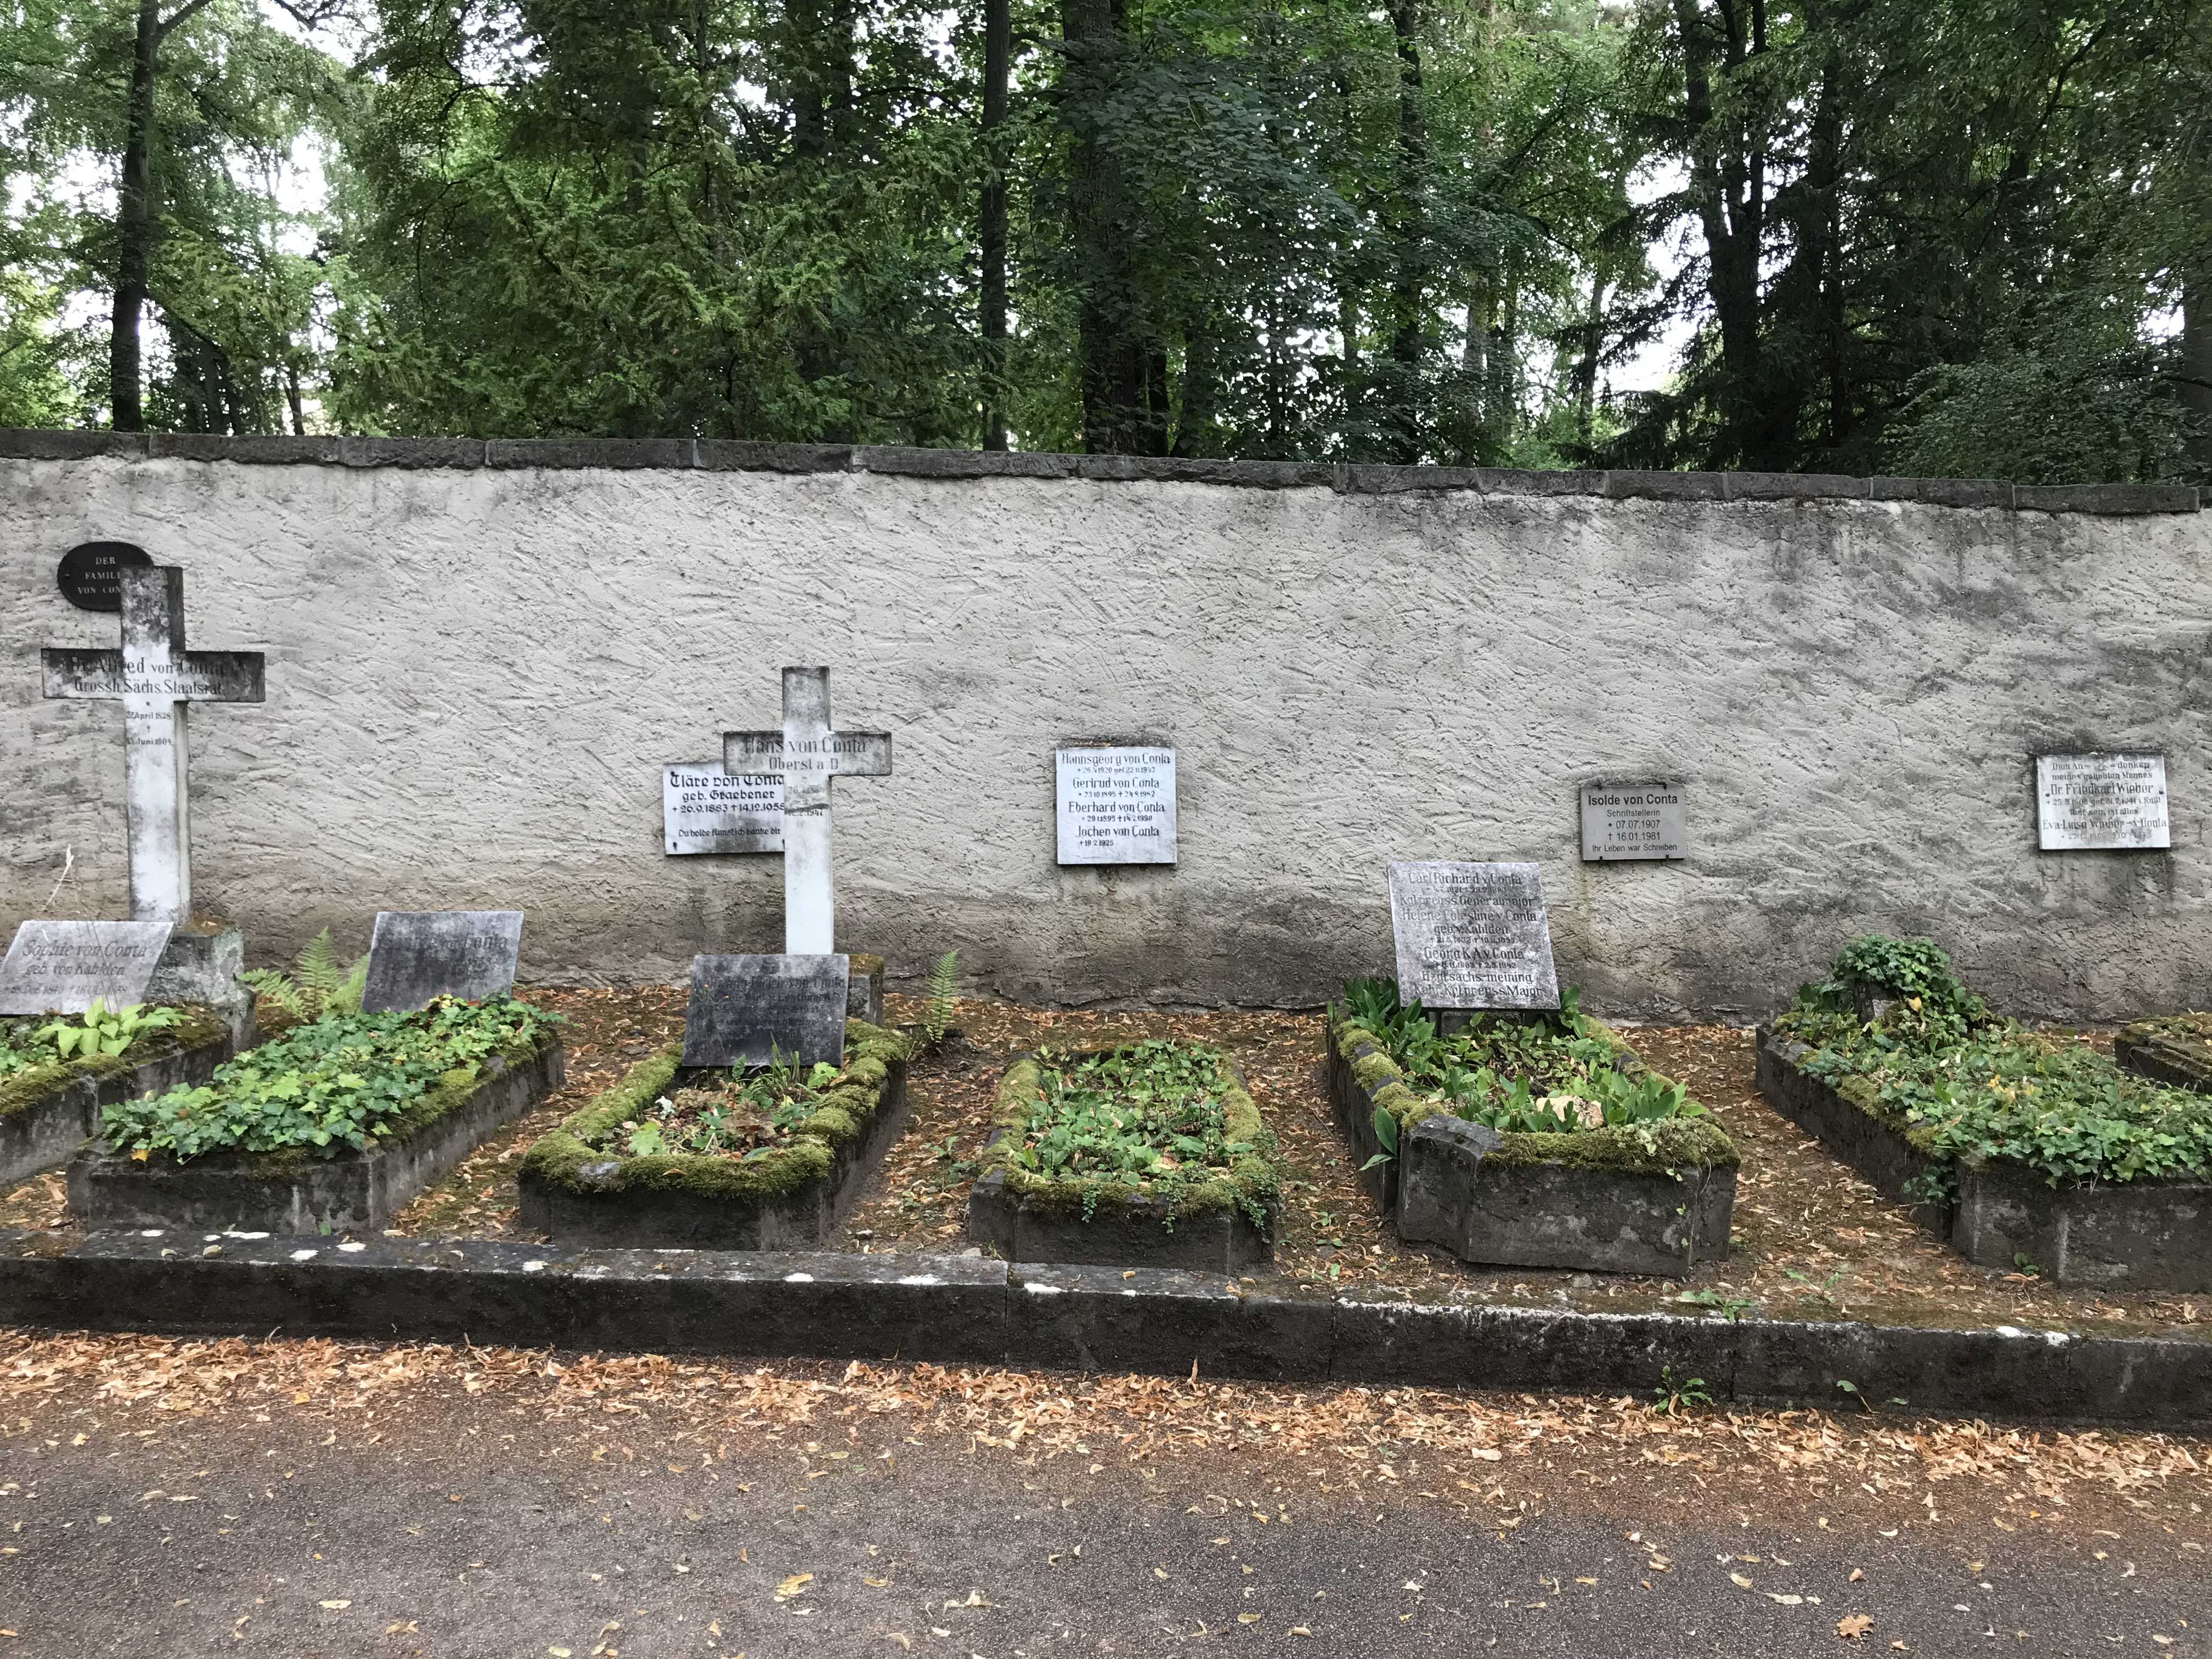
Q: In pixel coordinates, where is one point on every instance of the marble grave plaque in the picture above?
(753, 1010)
(1473, 936)
(2088, 802)
(1647, 820)
(59, 967)
(704, 809)
(1117, 805)
(417, 955)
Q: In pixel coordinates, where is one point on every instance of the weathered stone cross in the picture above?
(808, 754)
(155, 678)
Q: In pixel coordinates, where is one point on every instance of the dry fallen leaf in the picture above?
(334, 1605)
(793, 1585)
(1248, 1617)
(1853, 1626)
(1739, 1581)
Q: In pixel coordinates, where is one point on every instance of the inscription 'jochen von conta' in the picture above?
(1116, 804)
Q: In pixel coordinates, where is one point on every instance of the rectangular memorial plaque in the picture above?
(417, 955)
(1117, 805)
(704, 809)
(59, 967)
(1473, 936)
(2086, 802)
(1635, 821)
(755, 1010)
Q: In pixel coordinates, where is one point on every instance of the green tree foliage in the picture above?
(1956, 235)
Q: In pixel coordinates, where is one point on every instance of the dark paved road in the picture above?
(466, 1526)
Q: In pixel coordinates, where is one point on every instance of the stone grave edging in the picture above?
(978, 1311)
(734, 455)
(46, 1128)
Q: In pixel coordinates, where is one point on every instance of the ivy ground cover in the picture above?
(56, 1071)
(1153, 1153)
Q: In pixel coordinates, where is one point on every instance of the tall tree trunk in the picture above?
(997, 44)
(1409, 233)
(1593, 334)
(292, 399)
(1121, 370)
(2196, 360)
(134, 226)
(1728, 178)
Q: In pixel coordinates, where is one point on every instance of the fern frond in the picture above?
(278, 989)
(319, 970)
(943, 979)
(346, 1000)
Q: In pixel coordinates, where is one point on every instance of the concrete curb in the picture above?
(973, 1311)
(716, 455)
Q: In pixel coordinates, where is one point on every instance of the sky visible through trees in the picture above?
(1964, 237)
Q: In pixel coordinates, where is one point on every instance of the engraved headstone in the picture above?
(155, 679)
(1635, 821)
(87, 574)
(807, 754)
(417, 955)
(2088, 802)
(1473, 936)
(1117, 804)
(754, 1010)
(60, 967)
(703, 809)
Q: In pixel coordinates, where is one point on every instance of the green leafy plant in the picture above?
(317, 986)
(747, 1114)
(341, 1081)
(104, 1030)
(936, 1016)
(1673, 1398)
(1731, 1307)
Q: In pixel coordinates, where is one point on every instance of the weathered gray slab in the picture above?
(1116, 804)
(417, 955)
(755, 1010)
(706, 809)
(1648, 820)
(59, 967)
(2086, 802)
(1473, 935)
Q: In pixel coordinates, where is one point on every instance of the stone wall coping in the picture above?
(720, 455)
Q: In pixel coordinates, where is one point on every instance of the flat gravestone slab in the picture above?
(1635, 821)
(1117, 804)
(756, 1011)
(1473, 936)
(704, 809)
(2086, 803)
(417, 955)
(59, 967)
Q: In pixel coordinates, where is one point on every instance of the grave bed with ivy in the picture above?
(332, 1127)
(2029, 1150)
(1535, 1141)
(2176, 1050)
(57, 1071)
(696, 1157)
(1149, 1155)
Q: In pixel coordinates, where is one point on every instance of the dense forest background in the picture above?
(1970, 237)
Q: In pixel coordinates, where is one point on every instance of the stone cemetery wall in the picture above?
(480, 656)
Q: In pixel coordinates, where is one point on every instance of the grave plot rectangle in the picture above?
(2091, 802)
(47, 1113)
(1115, 805)
(1848, 1120)
(580, 1184)
(706, 809)
(1027, 1217)
(1473, 936)
(1599, 1200)
(2178, 1051)
(755, 1009)
(63, 967)
(292, 1192)
(1625, 821)
(417, 955)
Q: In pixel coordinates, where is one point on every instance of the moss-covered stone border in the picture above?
(2176, 1050)
(574, 1190)
(1665, 1193)
(47, 1112)
(1223, 1223)
(304, 1189)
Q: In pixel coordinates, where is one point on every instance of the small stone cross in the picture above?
(808, 753)
(155, 678)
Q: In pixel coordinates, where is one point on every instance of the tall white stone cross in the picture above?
(155, 678)
(808, 754)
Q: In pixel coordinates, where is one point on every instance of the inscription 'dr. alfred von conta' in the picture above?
(2087, 803)
(1473, 936)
